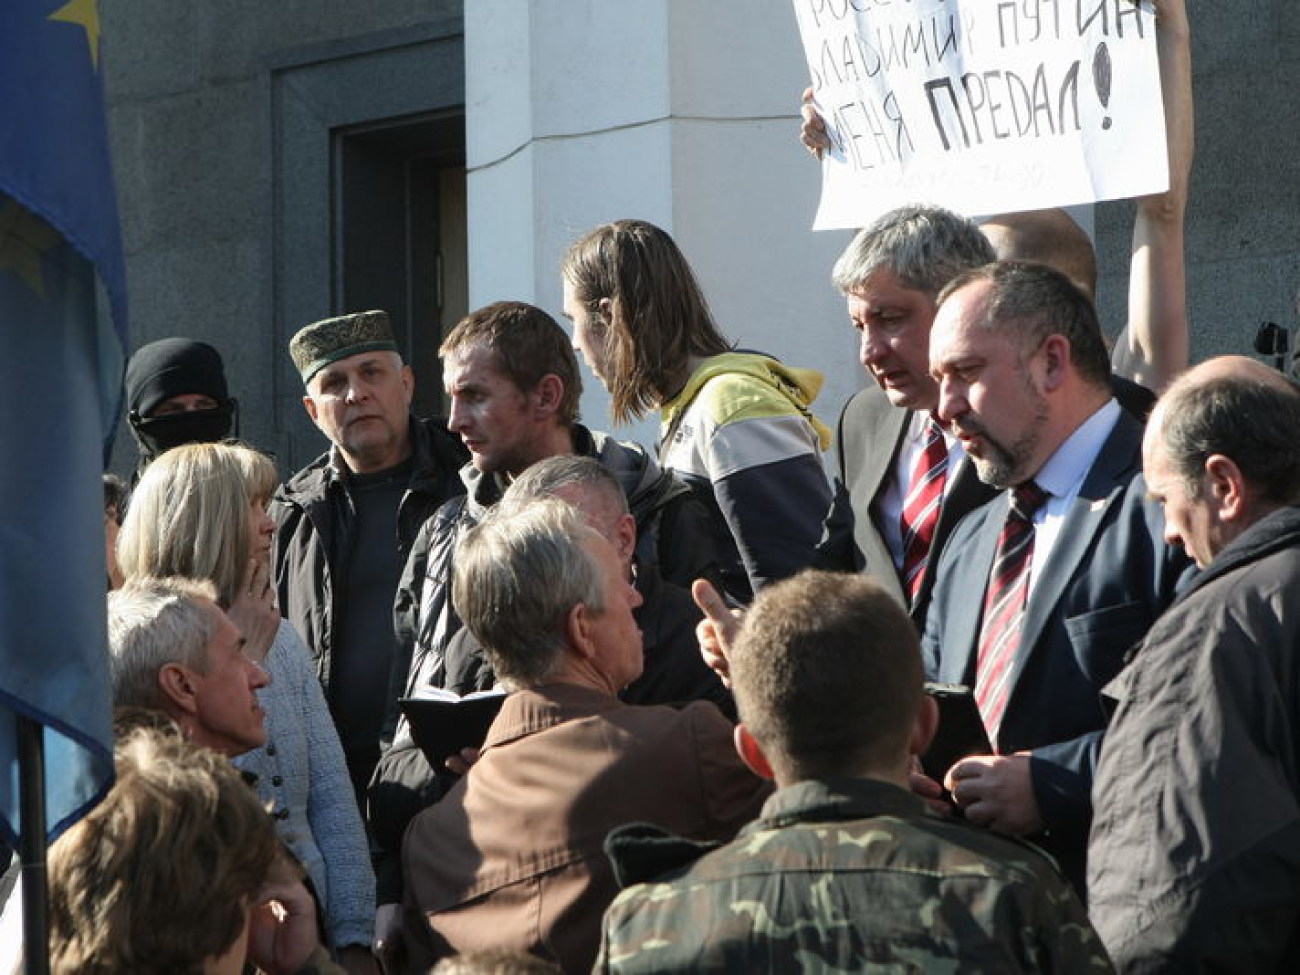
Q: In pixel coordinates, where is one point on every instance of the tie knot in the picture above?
(1027, 498)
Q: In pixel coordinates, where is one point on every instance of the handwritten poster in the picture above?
(983, 106)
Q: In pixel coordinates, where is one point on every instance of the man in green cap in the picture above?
(346, 521)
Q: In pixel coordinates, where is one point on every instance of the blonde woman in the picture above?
(200, 510)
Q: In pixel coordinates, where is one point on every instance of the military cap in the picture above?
(332, 339)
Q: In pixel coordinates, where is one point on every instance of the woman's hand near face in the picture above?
(255, 611)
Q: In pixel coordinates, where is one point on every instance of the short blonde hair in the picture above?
(189, 515)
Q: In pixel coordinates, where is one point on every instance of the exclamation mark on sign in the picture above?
(1101, 73)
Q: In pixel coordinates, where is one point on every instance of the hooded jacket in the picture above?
(674, 538)
(742, 434)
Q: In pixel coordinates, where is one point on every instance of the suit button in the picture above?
(282, 814)
(277, 780)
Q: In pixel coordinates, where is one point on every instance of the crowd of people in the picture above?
(714, 655)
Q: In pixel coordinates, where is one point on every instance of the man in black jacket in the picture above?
(513, 383)
(346, 521)
(1194, 857)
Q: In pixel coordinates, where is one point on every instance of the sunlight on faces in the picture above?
(261, 529)
(893, 324)
(490, 414)
(588, 337)
(227, 709)
(987, 393)
(362, 404)
(614, 631)
(602, 515)
(1189, 518)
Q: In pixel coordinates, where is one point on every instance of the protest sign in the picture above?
(983, 106)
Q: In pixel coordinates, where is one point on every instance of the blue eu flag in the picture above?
(60, 373)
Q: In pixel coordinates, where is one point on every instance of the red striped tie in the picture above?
(1004, 606)
(921, 506)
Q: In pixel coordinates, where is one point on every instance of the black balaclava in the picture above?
(175, 367)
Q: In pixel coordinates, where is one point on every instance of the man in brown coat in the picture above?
(512, 857)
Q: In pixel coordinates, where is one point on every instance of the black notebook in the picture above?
(443, 723)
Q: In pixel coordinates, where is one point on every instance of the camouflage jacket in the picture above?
(844, 875)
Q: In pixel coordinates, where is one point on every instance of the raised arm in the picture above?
(1154, 347)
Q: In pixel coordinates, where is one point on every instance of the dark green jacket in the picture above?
(845, 875)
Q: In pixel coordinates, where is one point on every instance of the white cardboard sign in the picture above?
(983, 106)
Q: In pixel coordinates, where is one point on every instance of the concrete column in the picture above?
(673, 111)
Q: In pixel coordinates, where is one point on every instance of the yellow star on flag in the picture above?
(24, 237)
(85, 14)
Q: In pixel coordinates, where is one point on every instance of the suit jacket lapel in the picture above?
(961, 627)
(966, 494)
(886, 430)
(1102, 486)
(866, 472)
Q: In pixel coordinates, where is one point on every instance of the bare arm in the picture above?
(1155, 346)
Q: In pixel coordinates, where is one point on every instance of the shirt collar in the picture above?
(1063, 474)
(916, 425)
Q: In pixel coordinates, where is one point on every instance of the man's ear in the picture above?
(606, 308)
(626, 532)
(1055, 352)
(751, 753)
(178, 687)
(577, 627)
(408, 382)
(547, 394)
(309, 405)
(1226, 486)
(925, 726)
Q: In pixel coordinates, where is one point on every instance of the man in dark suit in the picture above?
(1041, 592)
(891, 275)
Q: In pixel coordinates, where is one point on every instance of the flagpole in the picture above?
(31, 788)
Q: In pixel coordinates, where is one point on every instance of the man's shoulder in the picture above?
(870, 402)
(767, 893)
(306, 485)
(1262, 559)
(730, 397)
(807, 835)
(870, 426)
(439, 455)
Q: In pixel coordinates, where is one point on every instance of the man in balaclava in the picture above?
(176, 394)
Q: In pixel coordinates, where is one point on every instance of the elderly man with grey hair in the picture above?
(1194, 857)
(172, 649)
(512, 856)
(674, 672)
(901, 483)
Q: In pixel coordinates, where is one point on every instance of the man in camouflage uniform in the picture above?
(845, 870)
